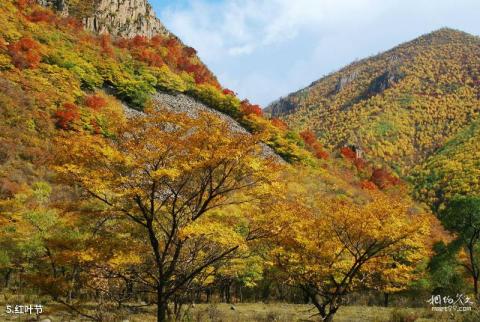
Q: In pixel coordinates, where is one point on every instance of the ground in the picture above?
(255, 312)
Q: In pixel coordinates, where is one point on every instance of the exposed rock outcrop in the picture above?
(181, 103)
(124, 18)
(344, 81)
(283, 106)
(384, 81)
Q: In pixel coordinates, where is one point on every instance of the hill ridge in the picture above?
(419, 93)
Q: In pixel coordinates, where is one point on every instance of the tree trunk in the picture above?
(475, 272)
(385, 299)
(7, 277)
(475, 287)
(228, 297)
(329, 317)
(161, 306)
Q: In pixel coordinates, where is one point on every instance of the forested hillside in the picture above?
(399, 106)
(133, 185)
(453, 170)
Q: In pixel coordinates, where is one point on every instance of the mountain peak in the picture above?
(403, 104)
(124, 18)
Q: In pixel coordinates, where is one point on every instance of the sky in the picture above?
(266, 49)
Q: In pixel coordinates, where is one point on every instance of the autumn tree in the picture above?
(25, 53)
(462, 216)
(67, 115)
(173, 176)
(249, 108)
(337, 246)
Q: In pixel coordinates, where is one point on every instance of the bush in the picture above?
(95, 102)
(41, 15)
(403, 315)
(25, 53)
(67, 116)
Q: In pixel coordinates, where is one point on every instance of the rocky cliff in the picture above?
(125, 18)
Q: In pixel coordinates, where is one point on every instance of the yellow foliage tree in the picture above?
(172, 175)
(336, 246)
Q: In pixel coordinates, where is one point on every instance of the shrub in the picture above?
(67, 116)
(106, 45)
(368, 185)
(41, 15)
(278, 123)
(402, 315)
(383, 178)
(25, 53)
(308, 137)
(348, 153)
(248, 108)
(227, 91)
(95, 102)
(22, 4)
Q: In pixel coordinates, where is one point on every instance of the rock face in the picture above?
(124, 18)
(384, 81)
(283, 106)
(344, 81)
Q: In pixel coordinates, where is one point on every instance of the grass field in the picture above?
(258, 312)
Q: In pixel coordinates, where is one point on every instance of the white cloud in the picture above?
(266, 48)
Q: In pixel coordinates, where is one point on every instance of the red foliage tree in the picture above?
(322, 154)
(95, 102)
(310, 140)
(319, 152)
(348, 153)
(248, 108)
(279, 123)
(360, 164)
(157, 41)
(189, 51)
(308, 137)
(25, 53)
(383, 178)
(368, 185)
(139, 41)
(22, 4)
(175, 51)
(150, 57)
(106, 44)
(227, 91)
(42, 15)
(122, 43)
(67, 116)
(71, 22)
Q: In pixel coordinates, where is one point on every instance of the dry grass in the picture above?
(247, 312)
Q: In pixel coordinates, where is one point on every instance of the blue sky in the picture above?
(265, 49)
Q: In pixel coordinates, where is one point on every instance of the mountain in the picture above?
(125, 18)
(452, 170)
(399, 106)
(58, 76)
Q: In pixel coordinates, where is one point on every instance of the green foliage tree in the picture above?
(462, 216)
